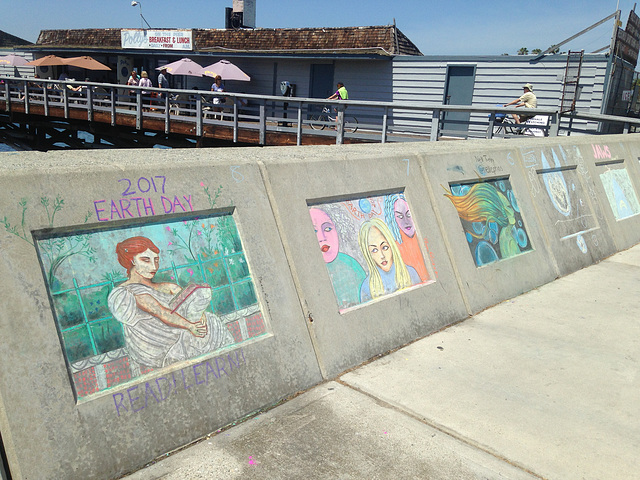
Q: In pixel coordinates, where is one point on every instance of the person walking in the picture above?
(133, 81)
(145, 82)
(162, 82)
(527, 100)
(218, 100)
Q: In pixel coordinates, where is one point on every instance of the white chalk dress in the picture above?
(153, 343)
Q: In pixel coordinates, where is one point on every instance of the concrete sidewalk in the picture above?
(545, 385)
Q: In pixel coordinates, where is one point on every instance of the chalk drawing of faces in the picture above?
(403, 217)
(380, 249)
(326, 233)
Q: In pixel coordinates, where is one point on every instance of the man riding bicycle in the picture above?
(527, 100)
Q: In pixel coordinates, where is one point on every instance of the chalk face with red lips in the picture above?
(345, 272)
(326, 233)
(380, 250)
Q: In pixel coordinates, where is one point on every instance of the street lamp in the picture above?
(133, 4)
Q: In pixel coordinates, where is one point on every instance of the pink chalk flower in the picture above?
(202, 184)
(190, 272)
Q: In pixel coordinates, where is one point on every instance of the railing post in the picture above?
(26, 97)
(385, 120)
(138, 109)
(554, 128)
(340, 126)
(89, 103)
(492, 121)
(45, 92)
(625, 128)
(113, 107)
(263, 123)
(65, 100)
(235, 120)
(7, 94)
(299, 126)
(435, 124)
(167, 114)
(198, 116)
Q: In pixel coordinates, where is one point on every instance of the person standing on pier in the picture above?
(162, 82)
(145, 82)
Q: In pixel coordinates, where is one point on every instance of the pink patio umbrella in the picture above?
(13, 60)
(227, 70)
(184, 66)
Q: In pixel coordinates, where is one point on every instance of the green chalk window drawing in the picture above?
(131, 300)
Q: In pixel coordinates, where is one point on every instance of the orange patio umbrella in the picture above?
(48, 61)
(86, 62)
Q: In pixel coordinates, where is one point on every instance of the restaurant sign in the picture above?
(156, 39)
(627, 42)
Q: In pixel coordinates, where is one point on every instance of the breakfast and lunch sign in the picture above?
(157, 39)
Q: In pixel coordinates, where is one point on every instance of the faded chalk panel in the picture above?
(563, 193)
(370, 247)
(620, 192)
(491, 219)
(132, 300)
(571, 213)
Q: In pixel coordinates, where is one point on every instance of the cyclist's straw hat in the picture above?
(528, 85)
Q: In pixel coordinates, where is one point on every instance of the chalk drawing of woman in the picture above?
(387, 270)
(156, 335)
(345, 272)
(398, 218)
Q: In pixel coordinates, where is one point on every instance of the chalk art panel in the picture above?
(370, 247)
(569, 208)
(132, 300)
(620, 193)
(491, 220)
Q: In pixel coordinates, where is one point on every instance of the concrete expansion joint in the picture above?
(441, 428)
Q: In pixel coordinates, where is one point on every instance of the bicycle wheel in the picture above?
(498, 130)
(350, 124)
(317, 122)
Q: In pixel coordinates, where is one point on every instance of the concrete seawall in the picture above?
(307, 261)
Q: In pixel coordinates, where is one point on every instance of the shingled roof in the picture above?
(8, 40)
(377, 40)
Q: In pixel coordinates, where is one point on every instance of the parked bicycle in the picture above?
(319, 121)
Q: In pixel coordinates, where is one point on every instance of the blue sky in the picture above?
(453, 27)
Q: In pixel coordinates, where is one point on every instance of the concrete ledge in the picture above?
(75, 393)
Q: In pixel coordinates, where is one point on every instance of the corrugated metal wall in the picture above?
(499, 80)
